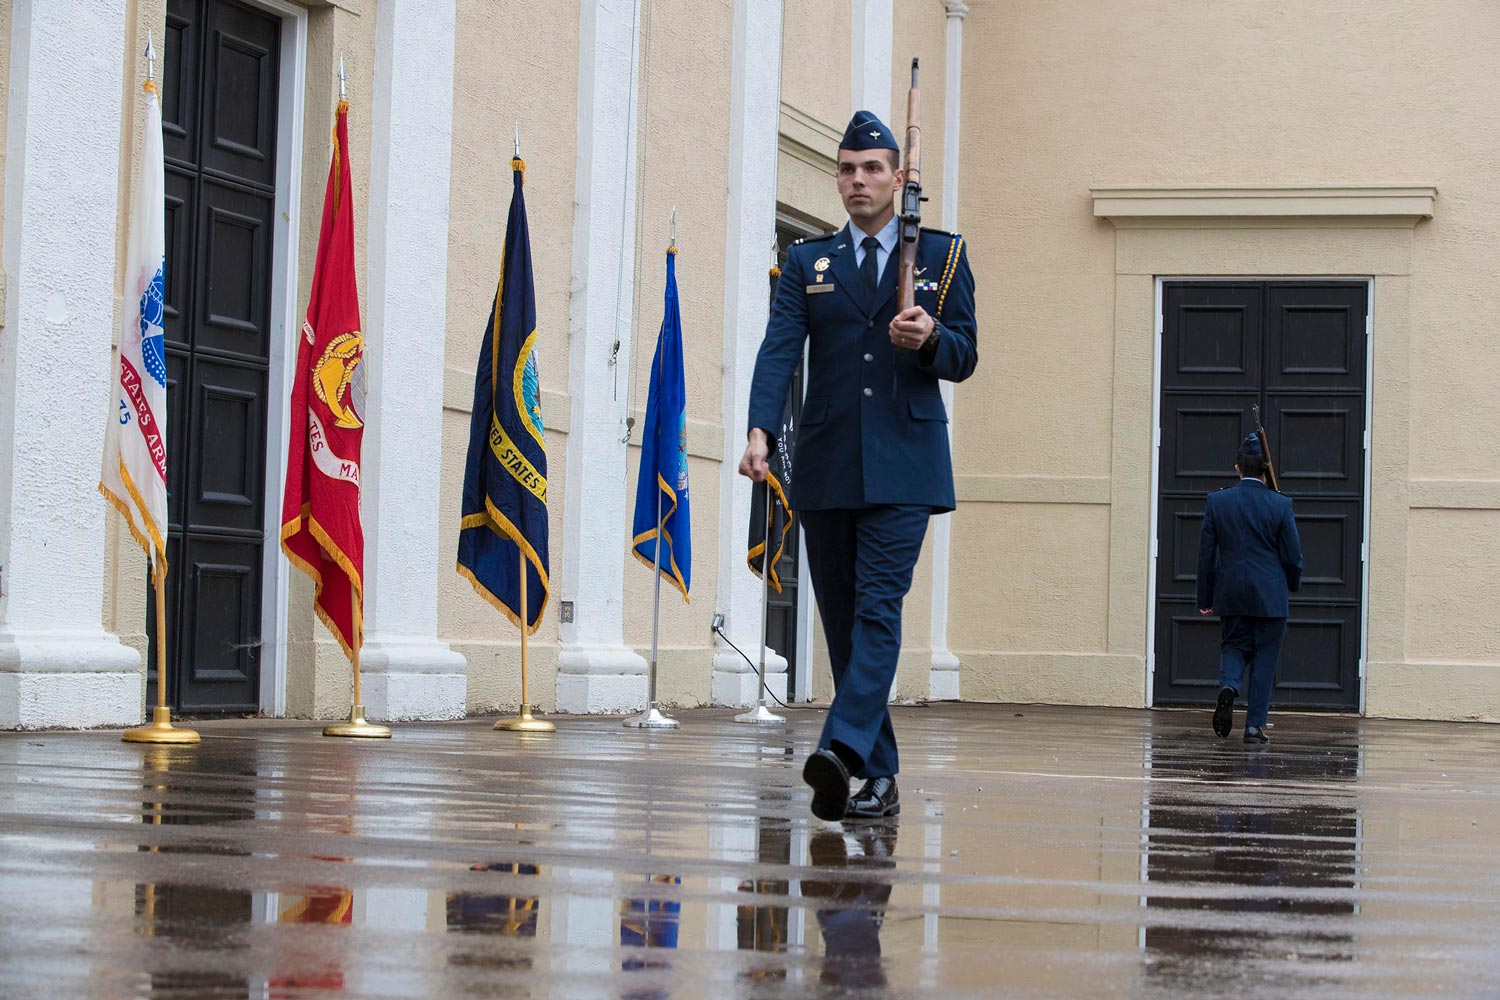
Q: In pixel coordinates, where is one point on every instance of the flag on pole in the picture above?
(134, 477)
(505, 478)
(773, 521)
(320, 529)
(664, 464)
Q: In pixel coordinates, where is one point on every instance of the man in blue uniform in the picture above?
(1249, 560)
(871, 461)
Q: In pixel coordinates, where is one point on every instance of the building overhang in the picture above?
(1190, 205)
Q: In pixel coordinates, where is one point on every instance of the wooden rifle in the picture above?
(911, 195)
(1265, 449)
(910, 228)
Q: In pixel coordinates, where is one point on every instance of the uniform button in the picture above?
(869, 357)
(869, 324)
(869, 392)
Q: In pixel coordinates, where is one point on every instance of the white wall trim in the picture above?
(872, 36)
(943, 679)
(286, 321)
(755, 113)
(1409, 202)
(410, 673)
(597, 672)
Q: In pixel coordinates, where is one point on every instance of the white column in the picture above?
(872, 37)
(596, 671)
(408, 672)
(584, 927)
(754, 127)
(943, 681)
(58, 667)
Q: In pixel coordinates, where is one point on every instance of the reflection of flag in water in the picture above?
(663, 482)
(512, 916)
(329, 905)
(777, 520)
(320, 529)
(650, 923)
(505, 477)
(134, 478)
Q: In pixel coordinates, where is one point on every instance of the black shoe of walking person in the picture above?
(1224, 712)
(1255, 734)
(827, 776)
(878, 799)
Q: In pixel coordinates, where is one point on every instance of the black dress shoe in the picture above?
(829, 780)
(1254, 734)
(878, 799)
(1224, 711)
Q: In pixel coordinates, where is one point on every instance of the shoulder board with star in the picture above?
(940, 232)
(814, 239)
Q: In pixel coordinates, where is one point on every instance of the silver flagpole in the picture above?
(652, 717)
(760, 713)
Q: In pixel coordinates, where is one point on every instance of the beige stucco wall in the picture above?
(1055, 428)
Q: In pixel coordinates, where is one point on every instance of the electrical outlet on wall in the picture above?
(717, 622)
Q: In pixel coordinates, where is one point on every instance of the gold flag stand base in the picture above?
(357, 727)
(525, 722)
(160, 730)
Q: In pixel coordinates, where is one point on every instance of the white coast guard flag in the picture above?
(135, 444)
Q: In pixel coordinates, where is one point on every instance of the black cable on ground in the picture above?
(763, 685)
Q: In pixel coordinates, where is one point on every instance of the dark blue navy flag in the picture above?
(771, 516)
(664, 469)
(505, 477)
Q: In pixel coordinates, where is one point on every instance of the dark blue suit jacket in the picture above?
(859, 443)
(1249, 555)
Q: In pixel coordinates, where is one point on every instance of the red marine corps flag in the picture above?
(320, 529)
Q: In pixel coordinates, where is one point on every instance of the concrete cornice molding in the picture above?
(957, 9)
(1393, 202)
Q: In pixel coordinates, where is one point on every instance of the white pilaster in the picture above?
(872, 37)
(408, 672)
(754, 123)
(596, 671)
(58, 667)
(943, 681)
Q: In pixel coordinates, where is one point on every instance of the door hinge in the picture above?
(1155, 547)
(1367, 440)
(1364, 552)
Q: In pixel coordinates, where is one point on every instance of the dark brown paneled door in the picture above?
(1298, 349)
(219, 109)
(781, 609)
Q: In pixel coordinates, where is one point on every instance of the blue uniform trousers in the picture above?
(861, 564)
(1252, 644)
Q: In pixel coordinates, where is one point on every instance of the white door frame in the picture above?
(285, 323)
(1364, 544)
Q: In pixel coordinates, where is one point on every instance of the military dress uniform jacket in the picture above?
(1249, 555)
(863, 441)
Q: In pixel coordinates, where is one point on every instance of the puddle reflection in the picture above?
(1275, 843)
(503, 916)
(851, 911)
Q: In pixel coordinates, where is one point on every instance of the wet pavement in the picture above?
(1041, 852)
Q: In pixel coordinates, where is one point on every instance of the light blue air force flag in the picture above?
(664, 469)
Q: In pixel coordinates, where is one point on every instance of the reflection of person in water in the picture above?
(853, 909)
(1291, 853)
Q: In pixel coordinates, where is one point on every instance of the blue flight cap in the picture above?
(1250, 446)
(865, 131)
